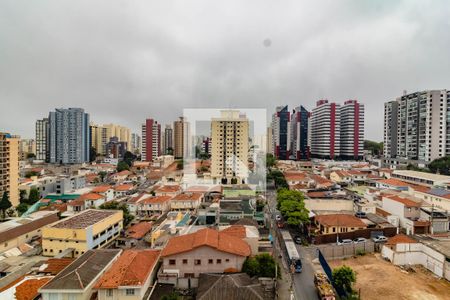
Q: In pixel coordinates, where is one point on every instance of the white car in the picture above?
(359, 240)
(345, 242)
(380, 239)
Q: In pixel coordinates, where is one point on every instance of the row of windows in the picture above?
(197, 262)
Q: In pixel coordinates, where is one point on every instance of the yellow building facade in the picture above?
(9, 167)
(101, 134)
(89, 229)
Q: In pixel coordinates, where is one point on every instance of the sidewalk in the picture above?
(284, 284)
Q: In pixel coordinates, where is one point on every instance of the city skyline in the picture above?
(144, 67)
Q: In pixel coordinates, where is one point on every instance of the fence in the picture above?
(365, 233)
(342, 251)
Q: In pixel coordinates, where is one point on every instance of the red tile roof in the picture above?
(123, 187)
(139, 230)
(132, 268)
(220, 241)
(421, 188)
(342, 173)
(123, 173)
(101, 189)
(188, 197)
(400, 239)
(340, 220)
(90, 196)
(405, 201)
(393, 182)
(156, 200)
(238, 231)
(168, 189)
(28, 290)
(56, 265)
(294, 176)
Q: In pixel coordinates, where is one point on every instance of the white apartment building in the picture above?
(325, 130)
(352, 130)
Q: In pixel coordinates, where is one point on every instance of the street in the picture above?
(304, 288)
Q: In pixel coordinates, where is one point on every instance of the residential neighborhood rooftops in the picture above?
(168, 189)
(28, 289)
(123, 187)
(101, 189)
(90, 196)
(405, 201)
(400, 239)
(393, 182)
(155, 199)
(207, 237)
(132, 268)
(340, 220)
(55, 265)
(85, 219)
(188, 197)
(138, 230)
(81, 273)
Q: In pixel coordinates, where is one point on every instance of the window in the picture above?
(210, 261)
(129, 292)
(197, 262)
(109, 292)
(227, 260)
(172, 262)
(185, 261)
(218, 261)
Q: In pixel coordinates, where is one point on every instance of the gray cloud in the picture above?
(124, 61)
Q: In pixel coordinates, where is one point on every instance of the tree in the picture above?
(122, 166)
(5, 204)
(374, 147)
(114, 205)
(343, 278)
(261, 265)
(271, 161)
(92, 154)
(171, 296)
(102, 175)
(21, 208)
(129, 158)
(292, 206)
(31, 155)
(440, 165)
(23, 196)
(34, 196)
(31, 174)
(169, 151)
(278, 179)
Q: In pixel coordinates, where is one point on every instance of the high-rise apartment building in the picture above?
(180, 136)
(417, 128)
(229, 147)
(299, 133)
(168, 140)
(9, 167)
(26, 147)
(69, 136)
(135, 143)
(281, 131)
(325, 130)
(151, 138)
(42, 133)
(352, 130)
(101, 135)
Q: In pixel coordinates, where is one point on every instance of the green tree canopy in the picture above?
(261, 265)
(278, 179)
(21, 208)
(129, 158)
(344, 277)
(292, 206)
(127, 217)
(122, 166)
(440, 165)
(271, 161)
(375, 147)
(31, 174)
(34, 196)
(5, 204)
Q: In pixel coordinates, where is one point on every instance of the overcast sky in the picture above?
(124, 61)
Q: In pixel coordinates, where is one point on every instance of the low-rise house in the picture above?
(18, 231)
(321, 182)
(133, 202)
(338, 223)
(341, 177)
(249, 234)
(106, 191)
(92, 200)
(296, 178)
(186, 201)
(121, 176)
(78, 279)
(392, 183)
(123, 190)
(439, 219)
(153, 206)
(205, 251)
(438, 197)
(168, 190)
(130, 276)
(74, 206)
(408, 212)
(357, 176)
(89, 229)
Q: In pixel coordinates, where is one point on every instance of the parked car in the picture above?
(297, 239)
(380, 239)
(360, 214)
(345, 242)
(360, 240)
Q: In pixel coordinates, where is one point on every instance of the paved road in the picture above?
(303, 282)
